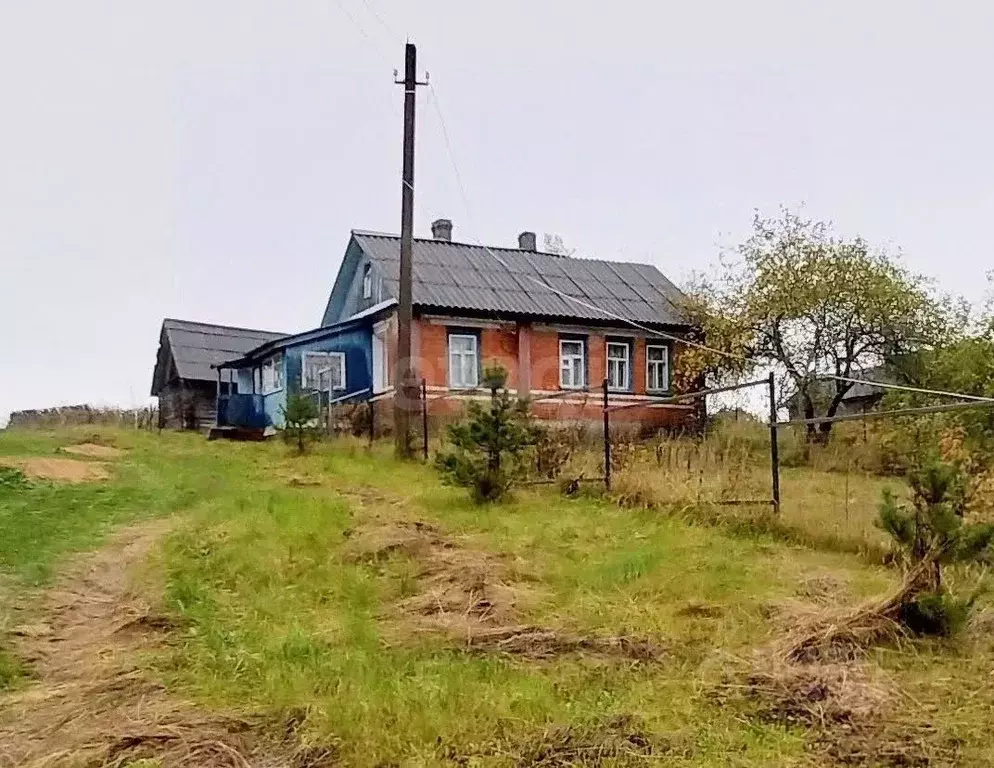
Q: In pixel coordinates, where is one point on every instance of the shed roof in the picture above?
(195, 347)
(459, 276)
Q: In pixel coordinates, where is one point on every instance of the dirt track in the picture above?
(90, 704)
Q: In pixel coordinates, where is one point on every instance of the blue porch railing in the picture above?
(241, 411)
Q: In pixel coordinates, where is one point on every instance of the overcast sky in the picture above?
(206, 159)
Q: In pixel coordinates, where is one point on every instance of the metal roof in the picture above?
(195, 347)
(458, 276)
(283, 342)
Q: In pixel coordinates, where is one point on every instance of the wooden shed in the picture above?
(185, 381)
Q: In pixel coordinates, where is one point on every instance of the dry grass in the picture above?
(852, 711)
(60, 470)
(725, 481)
(93, 451)
(469, 596)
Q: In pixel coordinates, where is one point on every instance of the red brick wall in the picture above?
(434, 353)
(500, 345)
(638, 366)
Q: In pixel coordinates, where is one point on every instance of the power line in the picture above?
(562, 294)
(639, 326)
(382, 21)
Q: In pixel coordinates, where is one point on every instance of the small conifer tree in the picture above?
(486, 449)
(300, 415)
(931, 533)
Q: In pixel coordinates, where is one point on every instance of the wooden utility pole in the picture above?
(405, 388)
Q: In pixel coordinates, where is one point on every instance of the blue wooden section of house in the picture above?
(346, 297)
(259, 411)
(241, 410)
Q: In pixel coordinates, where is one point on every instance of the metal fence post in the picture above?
(774, 447)
(372, 421)
(607, 441)
(424, 416)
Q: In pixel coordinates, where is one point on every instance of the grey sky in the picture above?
(206, 160)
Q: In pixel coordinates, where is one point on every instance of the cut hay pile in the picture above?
(93, 451)
(832, 635)
(471, 596)
(853, 712)
(59, 470)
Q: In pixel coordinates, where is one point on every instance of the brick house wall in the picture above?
(530, 354)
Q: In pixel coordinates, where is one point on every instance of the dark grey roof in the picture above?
(859, 391)
(457, 276)
(195, 347)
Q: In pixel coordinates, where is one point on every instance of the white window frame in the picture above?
(625, 385)
(275, 363)
(367, 281)
(329, 356)
(582, 357)
(649, 364)
(453, 384)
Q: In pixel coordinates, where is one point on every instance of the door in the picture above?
(379, 364)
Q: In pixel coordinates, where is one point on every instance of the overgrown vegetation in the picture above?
(800, 299)
(12, 479)
(487, 450)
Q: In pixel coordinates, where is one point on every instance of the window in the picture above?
(256, 380)
(572, 364)
(618, 365)
(657, 368)
(464, 371)
(367, 281)
(272, 374)
(323, 371)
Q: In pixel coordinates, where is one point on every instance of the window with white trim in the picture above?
(572, 363)
(618, 365)
(464, 366)
(657, 368)
(272, 374)
(257, 380)
(323, 371)
(367, 281)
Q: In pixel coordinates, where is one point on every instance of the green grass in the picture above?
(276, 617)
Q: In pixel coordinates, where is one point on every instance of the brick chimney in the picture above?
(441, 229)
(526, 241)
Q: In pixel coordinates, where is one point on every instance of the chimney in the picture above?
(526, 241)
(441, 229)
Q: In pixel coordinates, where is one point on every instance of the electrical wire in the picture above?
(652, 331)
(567, 297)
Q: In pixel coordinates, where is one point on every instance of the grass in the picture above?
(833, 510)
(277, 615)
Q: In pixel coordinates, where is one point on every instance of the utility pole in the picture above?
(405, 388)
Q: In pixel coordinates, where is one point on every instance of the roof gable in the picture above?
(463, 277)
(190, 349)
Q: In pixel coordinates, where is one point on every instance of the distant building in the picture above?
(860, 398)
(184, 379)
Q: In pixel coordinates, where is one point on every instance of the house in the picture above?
(558, 325)
(184, 380)
(859, 398)
(334, 362)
